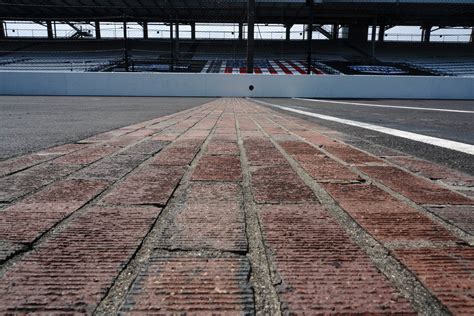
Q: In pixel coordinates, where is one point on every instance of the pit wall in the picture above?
(177, 84)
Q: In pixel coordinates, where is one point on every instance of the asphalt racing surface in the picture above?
(29, 124)
(444, 119)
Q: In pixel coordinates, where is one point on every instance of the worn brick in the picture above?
(299, 148)
(417, 189)
(225, 137)
(447, 273)
(86, 156)
(8, 249)
(278, 184)
(433, 171)
(146, 147)
(222, 148)
(16, 164)
(461, 216)
(218, 168)
(149, 185)
(351, 155)
(167, 136)
(324, 168)
(385, 218)
(225, 130)
(213, 192)
(322, 271)
(111, 168)
(177, 284)
(144, 132)
(73, 270)
(26, 181)
(202, 134)
(175, 156)
(123, 141)
(211, 226)
(260, 151)
(29, 219)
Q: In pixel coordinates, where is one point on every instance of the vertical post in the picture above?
(472, 36)
(49, 29)
(288, 31)
(310, 36)
(2, 29)
(171, 46)
(241, 31)
(335, 31)
(374, 37)
(177, 40)
(125, 45)
(382, 33)
(98, 35)
(426, 34)
(250, 35)
(193, 30)
(145, 30)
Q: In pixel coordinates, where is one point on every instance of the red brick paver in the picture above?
(321, 270)
(178, 284)
(73, 270)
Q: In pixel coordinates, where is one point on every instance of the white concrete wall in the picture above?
(165, 84)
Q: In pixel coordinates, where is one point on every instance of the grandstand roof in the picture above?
(390, 12)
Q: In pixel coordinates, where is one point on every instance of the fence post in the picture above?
(310, 4)
(250, 35)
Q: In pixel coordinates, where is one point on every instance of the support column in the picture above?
(193, 31)
(373, 39)
(472, 36)
(98, 35)
(49, 29)
(241, 31)
(382, 33)
(172, 47)
(145, 30)
(309, 57)
(250, 35)
(125, 46)
(288, 31)
(426, 34)
(177, 40)
(335, 31)
(2, 29)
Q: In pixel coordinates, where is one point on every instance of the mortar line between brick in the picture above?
(452, 228)
(118, 291)
(266, 298)
(62, 224)
(396, 273)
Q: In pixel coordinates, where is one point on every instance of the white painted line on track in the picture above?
(385, 106)
(444, 143)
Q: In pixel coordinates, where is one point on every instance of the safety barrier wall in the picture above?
(175, 84)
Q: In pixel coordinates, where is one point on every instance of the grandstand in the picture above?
(332, 32)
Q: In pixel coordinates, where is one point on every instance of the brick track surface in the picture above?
(232, 208)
